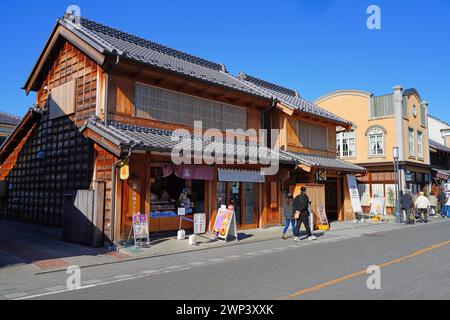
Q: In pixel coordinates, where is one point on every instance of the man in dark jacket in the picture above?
(301, 204)
(407, 204)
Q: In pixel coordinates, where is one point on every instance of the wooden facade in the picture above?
(56, 155)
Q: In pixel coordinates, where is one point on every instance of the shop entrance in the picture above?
(331, 199)
(168, 194)
(244, 197)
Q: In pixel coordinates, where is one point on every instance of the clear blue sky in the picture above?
(312, 46)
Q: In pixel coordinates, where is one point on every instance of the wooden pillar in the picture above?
(341, 215)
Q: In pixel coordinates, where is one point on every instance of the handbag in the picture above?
(297, 214)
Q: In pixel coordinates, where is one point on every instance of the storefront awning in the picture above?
(442, 174)
(307, 161)
(119, 138)
(226, 175)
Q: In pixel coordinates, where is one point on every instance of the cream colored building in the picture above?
(7, 124)
(397, 119)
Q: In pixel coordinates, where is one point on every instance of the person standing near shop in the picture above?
(447, 207)
(433, 203)
(288, 215)
(422, 204)
(407, 204)
(443, 202)
(301, 212)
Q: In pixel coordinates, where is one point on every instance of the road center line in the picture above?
(363, 272)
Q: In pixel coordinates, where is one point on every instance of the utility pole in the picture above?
(397, 185)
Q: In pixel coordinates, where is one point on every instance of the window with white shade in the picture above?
(174, 107)
(376, 142)
(412, 151)
(420, 144)
(346, 144)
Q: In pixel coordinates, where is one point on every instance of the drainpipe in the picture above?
(107, 89)
(105, 112)
(113, 196)
(264, 111)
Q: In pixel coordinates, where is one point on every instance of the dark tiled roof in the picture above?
(411, 91)
(322, 162)
(438, 146)
(152, 139)
(289, 98)
(116, 42)
(9, 119)
(269, 86)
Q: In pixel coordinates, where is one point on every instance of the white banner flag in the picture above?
(354, 193)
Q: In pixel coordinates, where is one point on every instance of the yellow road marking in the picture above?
(363, 272)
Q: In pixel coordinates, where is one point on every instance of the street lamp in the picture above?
(397, 185)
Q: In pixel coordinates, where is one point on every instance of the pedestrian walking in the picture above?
(288, 215)
(433, 203)
(301, 214)
(407, 205)
(443, 202)
(447, 206)
(422, 204)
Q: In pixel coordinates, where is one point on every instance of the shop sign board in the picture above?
(225, 220)
(140, 229)
(181, 211)
(322, 215)
(199, 223)
(377, 207)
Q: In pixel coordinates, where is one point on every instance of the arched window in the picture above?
(376, 141)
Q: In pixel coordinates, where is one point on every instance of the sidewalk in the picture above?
(40, 249)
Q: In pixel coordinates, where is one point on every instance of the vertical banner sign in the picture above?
(322, 215)
(354, 194)
(224, 219)
(199, 223)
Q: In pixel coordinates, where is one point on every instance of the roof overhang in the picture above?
(20, 131)
(307, 162)
(60, 31)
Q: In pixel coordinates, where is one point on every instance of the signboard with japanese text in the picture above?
(140, 228)
(199, 223)
(354, 194)
(322, 215)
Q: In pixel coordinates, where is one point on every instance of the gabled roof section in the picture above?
(269, 86)
(9, 119)
(322, 162)
(412, 91)
(109, 41)
(438, 146)
(287, 97)
(22, 128)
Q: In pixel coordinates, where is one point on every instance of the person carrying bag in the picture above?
(301, 210)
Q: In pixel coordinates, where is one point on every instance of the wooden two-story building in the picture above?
(108, 100)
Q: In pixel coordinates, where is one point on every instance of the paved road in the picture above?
(414, 260)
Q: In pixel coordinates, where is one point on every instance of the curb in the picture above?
(231, 244)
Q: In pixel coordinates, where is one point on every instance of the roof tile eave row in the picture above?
(147, 52)
(152, 139)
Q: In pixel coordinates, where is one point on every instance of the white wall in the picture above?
(434, 129)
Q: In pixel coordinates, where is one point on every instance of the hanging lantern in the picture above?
(124, 170)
